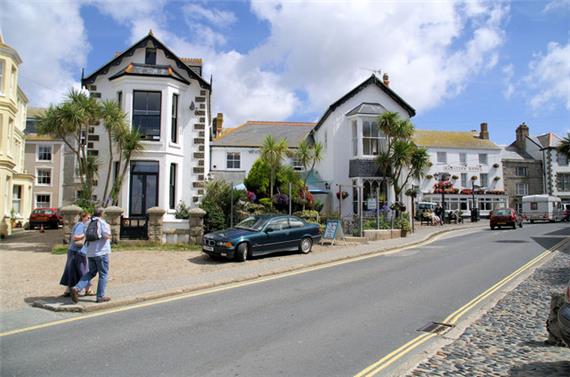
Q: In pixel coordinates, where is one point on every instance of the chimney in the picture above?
(522, 134)
(217, 124)
(386, 79)
(484, 134)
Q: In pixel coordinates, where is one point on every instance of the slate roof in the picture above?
(367, 108)
(452, 139)
(512, 152)
(252, 133)
(372, 80)
(548, 140)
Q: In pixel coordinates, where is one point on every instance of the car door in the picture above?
(278, 233)
(298, 230)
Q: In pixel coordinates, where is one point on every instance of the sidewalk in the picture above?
(126, 294)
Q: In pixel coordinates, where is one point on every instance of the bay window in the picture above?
(370, 138)
(146, 114)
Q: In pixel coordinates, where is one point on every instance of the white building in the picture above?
(471, 161)
(352, 142)
(168, 101)
(234, 152)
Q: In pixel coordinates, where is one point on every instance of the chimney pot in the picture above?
(522, 134)
(386, 79)
(484, 134)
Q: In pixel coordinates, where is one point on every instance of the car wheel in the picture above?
(242, 252)
(306, 245)
(492, 227)
(520, 224)
(514, 225)
(532, 221)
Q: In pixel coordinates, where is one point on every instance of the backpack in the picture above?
(93, 231)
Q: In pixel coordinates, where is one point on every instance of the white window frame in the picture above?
(42, 194)
(483, 158)
(463, 158)
(562, 159)
(486, 180)
(370, 139)
(354, 138)
(464, 179)
(443, 160)
(38, 152)
(17, 201)
(233, 160)
(517, 171)
(522, 189)
(38, 176)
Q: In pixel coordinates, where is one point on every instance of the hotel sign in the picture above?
(463, 168)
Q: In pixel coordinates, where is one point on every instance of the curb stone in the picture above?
(92, 307)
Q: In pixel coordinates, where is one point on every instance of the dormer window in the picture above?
(150, 56)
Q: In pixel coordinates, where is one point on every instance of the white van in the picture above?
(542, 208)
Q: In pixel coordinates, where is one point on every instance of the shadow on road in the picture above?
(512, 241)
(541, 369)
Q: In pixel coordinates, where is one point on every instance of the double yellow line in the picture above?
(452, 319)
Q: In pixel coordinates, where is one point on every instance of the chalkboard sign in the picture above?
(333, 230)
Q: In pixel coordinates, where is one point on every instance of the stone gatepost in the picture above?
(70, 218)
(155, 223)
(196, 225)
(113, 217)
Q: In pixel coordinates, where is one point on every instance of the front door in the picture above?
(144, 187)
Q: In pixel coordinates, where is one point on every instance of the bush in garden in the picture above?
(217, 203)
(281, 201)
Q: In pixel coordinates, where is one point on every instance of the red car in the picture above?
(505, 217)
(49, 217)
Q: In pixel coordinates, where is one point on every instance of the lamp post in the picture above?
(474, 211)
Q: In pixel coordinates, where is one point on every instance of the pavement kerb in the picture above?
(248, 277)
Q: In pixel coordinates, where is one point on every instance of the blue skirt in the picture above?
(75, 268)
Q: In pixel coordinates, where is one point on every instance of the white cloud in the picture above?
(549, 77)
(508, 74)
(52, 43)
(563, 5)
(215, 17)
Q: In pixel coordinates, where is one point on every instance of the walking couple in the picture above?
(87, 256)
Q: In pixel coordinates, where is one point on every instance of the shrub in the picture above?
(182, 211)
(217, 203)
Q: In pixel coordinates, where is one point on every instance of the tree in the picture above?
(69, 121)
(564, 146)
(402, 159)
(273, 152)
(129, 143)
(115, 122)
(308, 155)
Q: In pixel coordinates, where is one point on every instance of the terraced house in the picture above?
(15, 182)
(472, 166)
(168, 101)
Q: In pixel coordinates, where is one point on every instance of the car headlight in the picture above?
(224, 243)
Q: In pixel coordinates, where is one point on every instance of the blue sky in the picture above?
(458, 63)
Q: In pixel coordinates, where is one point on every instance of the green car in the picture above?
(260, 235)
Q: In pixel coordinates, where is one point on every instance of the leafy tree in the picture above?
(257, 179)
(129, 143)
(273, 152)
(402, 159)
(217, 202)
(564, 146)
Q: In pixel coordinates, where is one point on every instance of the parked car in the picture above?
(259, 235)
(505, 217)
(49, 217)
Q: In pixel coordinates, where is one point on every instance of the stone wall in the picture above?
(534, 179)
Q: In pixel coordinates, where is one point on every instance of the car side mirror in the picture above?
(269, 230)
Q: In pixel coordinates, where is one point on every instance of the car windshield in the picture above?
(254, 223)
(42, 212)
(503, 212)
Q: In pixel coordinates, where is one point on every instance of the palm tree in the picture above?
(114, 120)
(129, 141)
(70, 121)
(309, 155)
(273, 152)
(564, 146)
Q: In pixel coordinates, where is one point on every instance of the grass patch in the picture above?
(138, 245)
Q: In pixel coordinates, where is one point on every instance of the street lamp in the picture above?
(474, 210)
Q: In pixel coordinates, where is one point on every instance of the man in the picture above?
(98, 244)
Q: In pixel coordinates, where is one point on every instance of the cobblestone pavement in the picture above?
(509, 339)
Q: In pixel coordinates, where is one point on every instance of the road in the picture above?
(330, 322)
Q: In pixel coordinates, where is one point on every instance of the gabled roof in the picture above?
(252, 133)
(367, 108)
(372, 80)
(512, 152)
(449, 139)
(140, 44)
(548, 140)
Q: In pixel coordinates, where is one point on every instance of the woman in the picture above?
(76, 264)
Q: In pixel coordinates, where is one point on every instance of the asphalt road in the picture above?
(330, 322)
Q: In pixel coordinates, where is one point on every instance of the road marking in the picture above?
(387, 360)
(222, 287)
